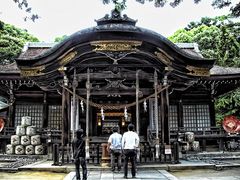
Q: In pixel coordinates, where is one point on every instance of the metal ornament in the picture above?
(145, 105)
(125, 113)
(102, 113)
(82, 106)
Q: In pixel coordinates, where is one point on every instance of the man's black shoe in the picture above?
(125, 177)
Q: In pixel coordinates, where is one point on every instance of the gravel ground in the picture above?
(208, 174)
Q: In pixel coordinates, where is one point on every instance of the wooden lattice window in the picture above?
(55, 117)
(196, 117)
(35, 111)
(173, 117)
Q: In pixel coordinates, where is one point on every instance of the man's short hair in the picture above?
(115, 129)
(79, 133)
(131, 127)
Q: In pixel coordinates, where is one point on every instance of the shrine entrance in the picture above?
(117, 73)
(106, 121)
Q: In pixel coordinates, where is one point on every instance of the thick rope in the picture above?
(115, 107)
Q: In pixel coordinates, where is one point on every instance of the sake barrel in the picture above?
(29, 150)
(19, 150)
(39, 149)
(35, 140)
(10, 149)
(186, 147)
(26, 121)
(190, 136)
(25, 140)
(20, 131)
(195, 146)
(31, 130)
(15, 140)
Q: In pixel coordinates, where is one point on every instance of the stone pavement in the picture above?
(108, 175)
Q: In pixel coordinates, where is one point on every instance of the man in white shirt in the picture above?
(115, 148)
(130, 142)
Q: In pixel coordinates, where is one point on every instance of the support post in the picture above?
(45, 111)
(156, 112)
(137, 112)
(63, 122)
(10, 122)
(87, 113)
(166, 116)
(73, 120)
(137, 105)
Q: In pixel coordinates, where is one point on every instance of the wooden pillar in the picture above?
(137, 105)
(11, 122)
(87, 114)
(162, 116)
(73, 119)
(180, 114)
(165, 113)
(212, 112)
(65, 121)
(156, 112)
(45, 111)
(166, 117)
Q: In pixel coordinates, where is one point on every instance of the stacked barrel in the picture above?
(26, 141)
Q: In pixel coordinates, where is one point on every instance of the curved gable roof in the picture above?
(114, 31)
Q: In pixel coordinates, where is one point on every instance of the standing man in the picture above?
(130, 142)
(79, 154)
(115, 148)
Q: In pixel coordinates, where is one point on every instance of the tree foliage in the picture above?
(60, 39)
(234, 8)
(217, 38)
(23, 4)
(12, 40)
(206, 37)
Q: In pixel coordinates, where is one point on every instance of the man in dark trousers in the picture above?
(79, 154)
(115, 148)
(130, 142)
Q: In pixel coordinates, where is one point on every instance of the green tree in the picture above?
(24, 5)
(12, 40)
(234, 8)
(217, 38)
(60, 39)
(206, 37)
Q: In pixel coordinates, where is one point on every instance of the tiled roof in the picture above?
(33, 49)
(190, 48)
(218, 70)
(9, 68)
(37, 48)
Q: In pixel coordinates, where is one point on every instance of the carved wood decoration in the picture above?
(198, 71)
(115, 49)
(32, 71)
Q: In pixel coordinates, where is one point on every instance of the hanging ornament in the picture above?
(125, 113)
(82, 107)
(145, 105)
(102, 113)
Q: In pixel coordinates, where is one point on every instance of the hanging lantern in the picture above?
(102, 113)
(145, 105)
(123, 122)
(82, 106)
(99, 122)
(125, 113)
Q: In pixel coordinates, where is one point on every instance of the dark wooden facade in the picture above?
(112, 70)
